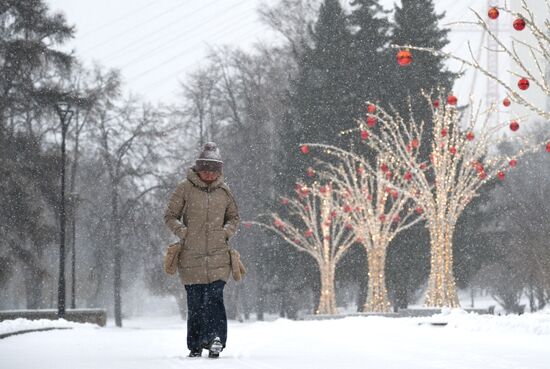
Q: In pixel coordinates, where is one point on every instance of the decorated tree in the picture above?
(376, 212)
(317, 225)
(459, 164)
(529, 58)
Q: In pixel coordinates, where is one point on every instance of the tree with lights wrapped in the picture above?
(445, 184)
(318, 225)
(376, 213)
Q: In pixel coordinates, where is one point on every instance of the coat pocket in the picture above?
(217, 240)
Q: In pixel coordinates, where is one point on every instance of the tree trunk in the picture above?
(327, 299)
(115, 224)
(441, 286)
(377, 296)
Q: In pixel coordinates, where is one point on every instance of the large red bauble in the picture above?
(519, 24)
(452, 149)
(371, 108)
(452, 100)
(304, 149)
(506, 102)
(548, 147)
(523, 84)
(364, 135)
(404, 57)
(415, 143)
(470, 136)
(514, 125)
(501, 176)
(493, 13)
(513, 163)
(371, 121)
(408, 176)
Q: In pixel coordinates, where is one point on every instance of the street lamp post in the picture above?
(74, 199)
(65, 115)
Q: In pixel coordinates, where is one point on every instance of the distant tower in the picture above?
(492, 92)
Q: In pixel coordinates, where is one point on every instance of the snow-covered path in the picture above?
(468, 342)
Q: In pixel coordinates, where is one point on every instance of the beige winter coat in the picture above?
(210, 218)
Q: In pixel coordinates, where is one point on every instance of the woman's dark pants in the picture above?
(206, 317)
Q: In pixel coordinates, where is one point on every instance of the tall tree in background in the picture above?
(416, 23)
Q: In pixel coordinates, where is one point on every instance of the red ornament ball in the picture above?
(415, 143)
(506, 102)
(523, 84)
(444, 132)
(371, 108)
(470, 136)
(419, 210)
(501, 176)
(364, 135)
(407, 176)
(513, 163)
(304, 149)
(308, 233)
(493, 13)
(384, 167)
(514, 125)
(452, 100)
(404, 58)
(347, 209)
(382, 218)
(548, 147)
(371, 121)
(519, 24)
(436, 103)
(452, 149)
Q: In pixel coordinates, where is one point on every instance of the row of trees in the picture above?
(126, 155)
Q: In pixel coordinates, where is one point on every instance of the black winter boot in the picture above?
(215, 348)
(195, 353)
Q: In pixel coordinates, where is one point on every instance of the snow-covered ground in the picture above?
(468, 341)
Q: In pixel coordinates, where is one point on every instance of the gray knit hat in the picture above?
(209, 159)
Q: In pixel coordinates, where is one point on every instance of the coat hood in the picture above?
(194, 178)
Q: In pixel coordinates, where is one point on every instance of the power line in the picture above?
(187, 50)
(150, 53)
(116, 20)
(153, 33)
(111, 38)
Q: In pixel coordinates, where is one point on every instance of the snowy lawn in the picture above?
(467, 342)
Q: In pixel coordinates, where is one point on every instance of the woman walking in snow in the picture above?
(203, 213)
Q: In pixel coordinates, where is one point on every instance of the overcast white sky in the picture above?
(155, 42)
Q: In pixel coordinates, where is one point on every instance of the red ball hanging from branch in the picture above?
(523, 84)
(310, 172)
(501, 176)
(371, 121)
(371, 108)
(304, 149)
(470, 136)
(443, 132)
(519, 24)
(404, 58)
(384, 167)
(514, 125)
(407, 176)
(493, 13)
(419, 210)
(452, 100)
(436, 103)
(513, 163)
(308, 233)
(364, 135)
(506, 102)
(452, 150)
